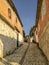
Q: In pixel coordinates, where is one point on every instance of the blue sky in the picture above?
(27, 12)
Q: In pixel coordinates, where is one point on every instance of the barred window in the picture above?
(16, 19)
(9, 13)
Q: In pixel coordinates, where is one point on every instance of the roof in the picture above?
(14, 8)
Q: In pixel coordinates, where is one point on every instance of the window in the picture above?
(16, 19)
(9, 13)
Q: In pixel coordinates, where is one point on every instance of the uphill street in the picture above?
(27, 54)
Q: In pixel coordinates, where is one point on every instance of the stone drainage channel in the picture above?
(22, 60)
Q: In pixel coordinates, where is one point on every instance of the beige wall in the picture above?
(20, 38)
(4, 5)
(43, 22)
(8, 38)
(44, 41)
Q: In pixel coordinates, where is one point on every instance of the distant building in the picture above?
(27, 38)
(11, 27)
(32, 31)
(31, 39)
(42, 24)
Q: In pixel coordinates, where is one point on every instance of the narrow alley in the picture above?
(27, 54)
(24, 32)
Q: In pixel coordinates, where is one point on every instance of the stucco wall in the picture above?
(14, 18)
(44, 40)
(43, 15)
(8, 39)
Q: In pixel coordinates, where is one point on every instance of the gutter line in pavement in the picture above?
(23, 57)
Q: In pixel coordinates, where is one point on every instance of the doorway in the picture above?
(17, 40)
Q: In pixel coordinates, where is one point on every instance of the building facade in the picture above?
(42, 24)
(11, 28)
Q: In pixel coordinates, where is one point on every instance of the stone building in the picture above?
(42, 23)
(11, 28)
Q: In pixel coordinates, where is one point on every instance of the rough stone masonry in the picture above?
(8, 39)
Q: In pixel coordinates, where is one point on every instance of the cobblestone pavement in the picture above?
(34, 56)
(25, 55)
(16, 57)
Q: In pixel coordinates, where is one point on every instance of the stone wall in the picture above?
(44, 41)
(8, 39)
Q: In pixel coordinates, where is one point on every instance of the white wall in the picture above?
(20, 38)
(31, 39)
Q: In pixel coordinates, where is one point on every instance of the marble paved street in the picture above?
(34, 56)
